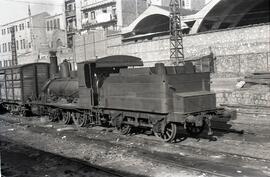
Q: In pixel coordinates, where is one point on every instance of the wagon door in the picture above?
(29, 86)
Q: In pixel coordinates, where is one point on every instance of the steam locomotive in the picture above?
(113, 91)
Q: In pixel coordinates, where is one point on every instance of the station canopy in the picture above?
(216, 15)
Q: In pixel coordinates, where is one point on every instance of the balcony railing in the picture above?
(87, 23)
(70, 13)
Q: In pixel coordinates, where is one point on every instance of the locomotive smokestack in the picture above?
(53, 64)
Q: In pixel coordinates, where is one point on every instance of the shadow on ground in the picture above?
(24, 161)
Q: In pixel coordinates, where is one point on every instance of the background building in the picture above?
(56, 31)
(30, 36)
(110, 15)
(56, 36)
(73, 19)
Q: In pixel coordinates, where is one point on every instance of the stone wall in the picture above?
(151, 51)
(245, 40)
(257, 95)
(241, 64)
(238, 50)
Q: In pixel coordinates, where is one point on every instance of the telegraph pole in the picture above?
(13, 46)
(176, 35)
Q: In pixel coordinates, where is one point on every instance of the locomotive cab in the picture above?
(92, 74)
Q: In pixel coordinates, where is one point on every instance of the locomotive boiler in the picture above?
(62, 86)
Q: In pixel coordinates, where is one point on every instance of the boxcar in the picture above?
(21, 83)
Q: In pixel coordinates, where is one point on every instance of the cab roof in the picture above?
(115, 61)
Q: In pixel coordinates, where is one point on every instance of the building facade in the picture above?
(72, 19)
(30, 37)
(56, 31)
(110, 15)
(57, 39)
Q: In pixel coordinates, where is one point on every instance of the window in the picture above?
(93, 15)
(22, 26)
(17, 44)
(28, 25)
(69, 7)
(113, 10)
(48, 26)
(54, 24)
(183, 3)
(114, 27)
(21, 42)
(9, 46)
(29, 45)
(16, 28)
(86, 15)
(51, 24)
(11, 29)
(1, 64)
(8, 30)
(4, 47)
(0, 48)
(104, 10)
(58, 23)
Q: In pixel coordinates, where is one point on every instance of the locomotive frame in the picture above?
(114, 91)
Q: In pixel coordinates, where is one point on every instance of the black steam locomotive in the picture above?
(113, 91)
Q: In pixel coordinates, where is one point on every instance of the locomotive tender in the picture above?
(114, 91)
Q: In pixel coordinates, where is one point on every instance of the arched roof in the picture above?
(217, 14)
(154, 19)
(221, 14)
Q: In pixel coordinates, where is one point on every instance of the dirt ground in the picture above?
(36, 163)
(142, 155)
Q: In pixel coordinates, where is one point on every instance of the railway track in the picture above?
(197, 165)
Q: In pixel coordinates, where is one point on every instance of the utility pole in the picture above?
(176, 35)
(31, 32)
(13, 46)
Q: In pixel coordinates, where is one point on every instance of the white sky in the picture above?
(11, 10)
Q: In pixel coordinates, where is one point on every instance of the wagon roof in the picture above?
(116, 61)
(22, 65)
